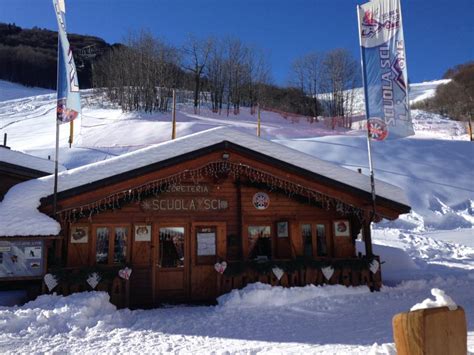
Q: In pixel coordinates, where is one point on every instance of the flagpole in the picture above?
(258, 120)
(56, 156)
(368, 248)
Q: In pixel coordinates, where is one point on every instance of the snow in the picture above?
(12, 91)
(430, 248)
(266, 296)
(24, 199)
(329, 319)
(423, 91)
(28, 161)
(441, 300)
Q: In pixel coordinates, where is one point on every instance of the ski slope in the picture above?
(432, 247)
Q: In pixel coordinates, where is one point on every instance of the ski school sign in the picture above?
(384, 69)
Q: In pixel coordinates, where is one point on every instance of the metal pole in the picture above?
(258, 120)
(55, 201)
(369, 148)
(173, 129)
(56, 156)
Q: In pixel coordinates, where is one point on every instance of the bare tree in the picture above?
(141, 74)
(306, 75)
(340, 76)
(197, 52)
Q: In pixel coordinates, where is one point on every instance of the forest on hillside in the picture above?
(456, 98)
(224, 73)
(29, 56)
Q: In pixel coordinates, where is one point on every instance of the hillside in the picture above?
(432, 247)
(28, 56)
(106, 131)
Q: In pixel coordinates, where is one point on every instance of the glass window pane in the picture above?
(307, 236)
(102, 245)
(206, 241)
(321, 238)
(172, 247)
(120, 245)
(260, 242)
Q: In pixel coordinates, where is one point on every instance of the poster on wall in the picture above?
(143, 233)
(206, 243)
(341, 228)
(282, 229)
(79, 234)
(21, 258)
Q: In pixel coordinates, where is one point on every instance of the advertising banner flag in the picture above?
(69, 100)
(384, 70)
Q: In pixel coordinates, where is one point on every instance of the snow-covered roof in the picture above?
(28, 161)
(19, 215)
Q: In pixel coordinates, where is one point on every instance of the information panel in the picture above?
(21, 258)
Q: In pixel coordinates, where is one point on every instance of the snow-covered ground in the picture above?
(432, 247)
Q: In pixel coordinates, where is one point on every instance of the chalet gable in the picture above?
(291, 170)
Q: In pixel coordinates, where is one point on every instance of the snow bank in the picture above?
(441, 300)
(394, 259)
(264, 295)
(23, 199)
(50, 314)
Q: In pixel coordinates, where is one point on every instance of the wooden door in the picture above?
(208, 246)
(172, 262)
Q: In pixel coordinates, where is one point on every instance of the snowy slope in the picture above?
(432, 167)
(11, 91)
(431, 247)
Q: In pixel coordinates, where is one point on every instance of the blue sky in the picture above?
(438, 33)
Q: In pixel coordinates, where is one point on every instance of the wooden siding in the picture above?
(195, 280)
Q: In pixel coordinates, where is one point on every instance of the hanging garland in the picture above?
(236, 268)
(216, 169)
(81, 276)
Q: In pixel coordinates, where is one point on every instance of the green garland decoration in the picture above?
(79, 276)
(236, 268)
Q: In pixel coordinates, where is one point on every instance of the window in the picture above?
(171, 247)
(102, 246)
(307, 236)
(311, 234)
(111, 249)
(321, 240)
(120, 245)
(260, 242)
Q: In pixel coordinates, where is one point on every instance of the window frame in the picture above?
(111, 248)
(314, 237)
(271, 238)
(158, 246)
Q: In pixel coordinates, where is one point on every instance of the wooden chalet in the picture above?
(16, 167)
(16, 271)
(196, 217)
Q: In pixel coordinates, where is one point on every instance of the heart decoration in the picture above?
(374, 266)
(278, 272)
(328, 271)
(50, 281)
(93, 280)
(220, 267)
(125, 273)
